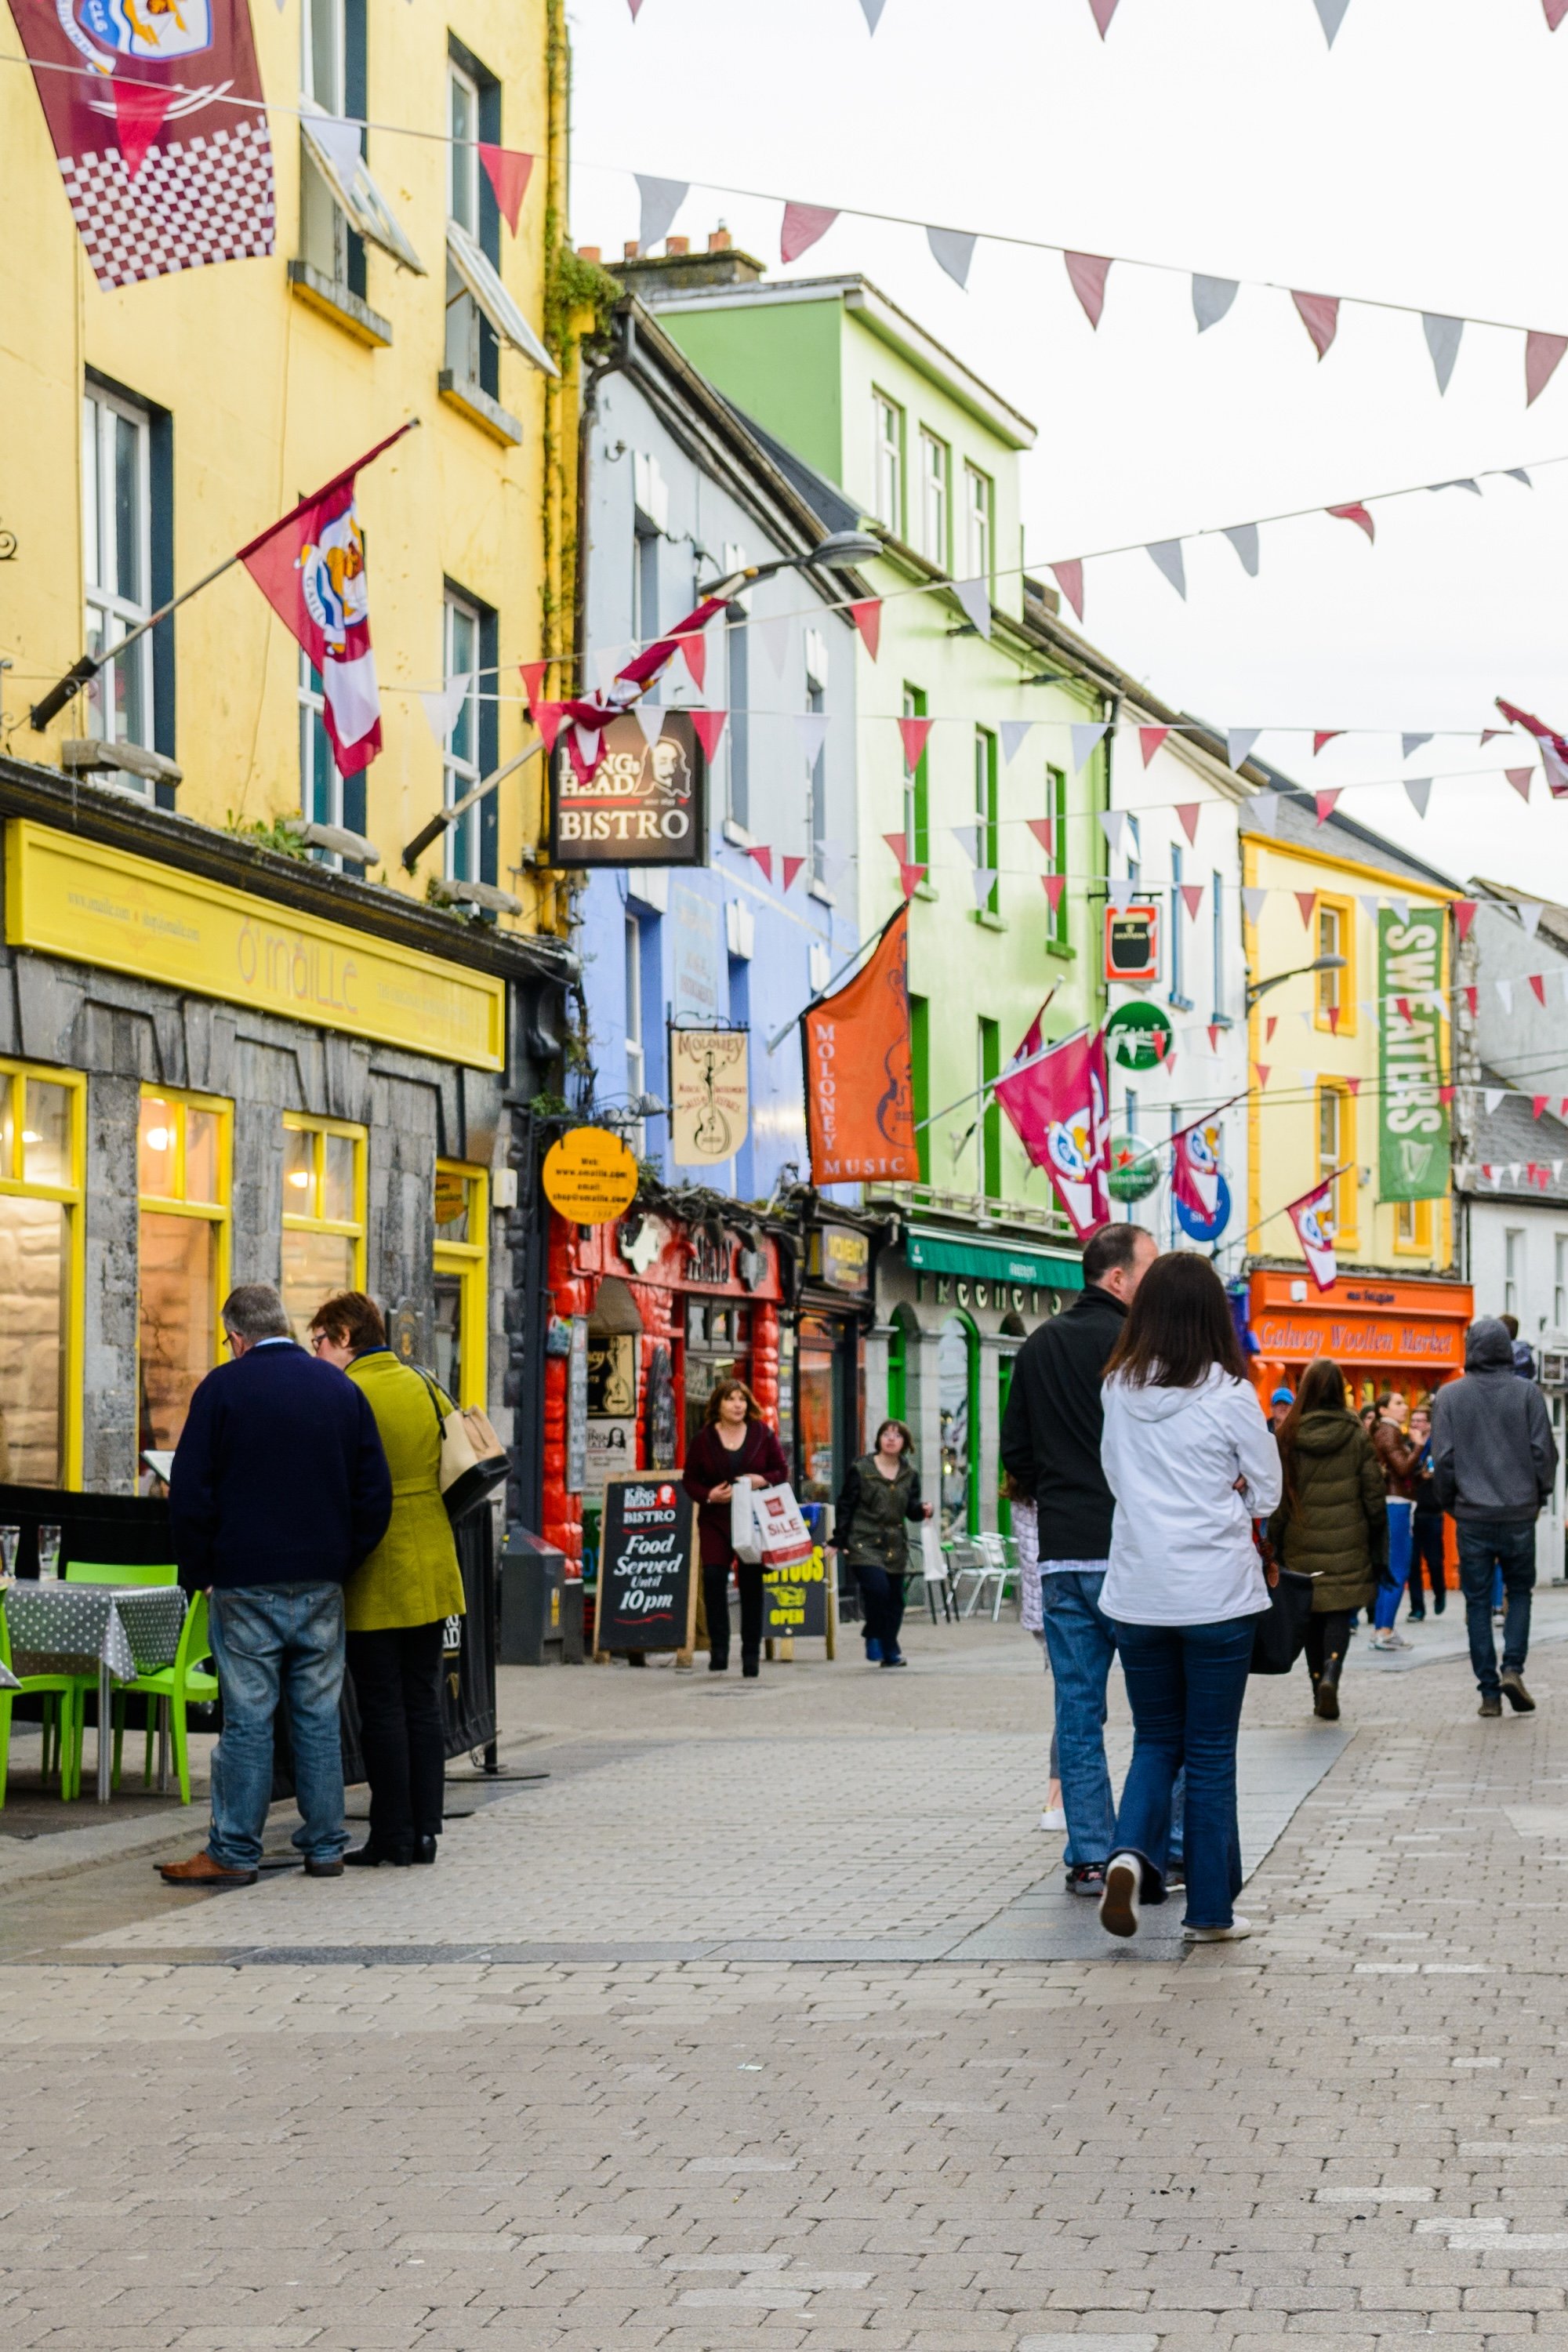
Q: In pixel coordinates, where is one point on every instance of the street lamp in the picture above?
(1254, 989)
(838, 547)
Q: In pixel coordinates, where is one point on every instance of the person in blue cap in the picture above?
(1279, 1404)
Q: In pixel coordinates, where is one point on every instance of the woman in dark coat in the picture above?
(1332, 1524)
(877, 1500)
(733, 1447)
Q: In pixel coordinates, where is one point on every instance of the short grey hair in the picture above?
(256, 1311)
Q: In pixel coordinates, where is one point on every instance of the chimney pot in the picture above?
(677, 245)
(629, 250)
(589, 253)
(720, 240)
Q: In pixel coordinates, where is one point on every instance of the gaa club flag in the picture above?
(1313, 1216)
(155, 111)
(860, 1088)
(310, 568)
(1059, 1102)
(590, 715)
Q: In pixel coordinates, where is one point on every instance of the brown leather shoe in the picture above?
(203, 1871)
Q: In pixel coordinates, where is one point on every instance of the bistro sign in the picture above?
(643, 804)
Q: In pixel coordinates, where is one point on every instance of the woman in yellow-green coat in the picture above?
(398, 1601)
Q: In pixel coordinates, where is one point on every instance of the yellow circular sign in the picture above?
(589, 1176)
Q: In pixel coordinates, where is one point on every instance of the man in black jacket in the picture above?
(279, 1488)
(1494, 1465)
(1050, 1449)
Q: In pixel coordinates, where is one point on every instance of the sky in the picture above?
(1416, 162)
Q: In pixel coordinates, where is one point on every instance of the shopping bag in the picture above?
(1279, 1632)
(781, 1531)
(743, 1538)
(933, 1560)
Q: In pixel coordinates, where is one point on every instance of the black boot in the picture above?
(1326, 1705)
(369, 1856)
(749, 1666)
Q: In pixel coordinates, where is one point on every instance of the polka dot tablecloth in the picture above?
(75, 1629)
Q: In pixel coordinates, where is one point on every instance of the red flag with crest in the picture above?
(1058, 1099)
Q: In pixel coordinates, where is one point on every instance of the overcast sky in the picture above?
(1419, 161)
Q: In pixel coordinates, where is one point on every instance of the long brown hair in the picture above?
(727, 1388)
(1322, 1390)
(1178, 1328)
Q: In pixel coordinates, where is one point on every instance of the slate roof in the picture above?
(1508, 1136)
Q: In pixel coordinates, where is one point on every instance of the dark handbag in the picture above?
(1279, 1632)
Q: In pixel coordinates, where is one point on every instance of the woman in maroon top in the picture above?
(733, 1447)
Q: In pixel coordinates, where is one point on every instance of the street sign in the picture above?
(589, 1176)
(1133, 943)
(1138, 1035)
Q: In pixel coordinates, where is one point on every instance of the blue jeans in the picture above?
(1080, 1640)
(1400, 1516)
(1488, 1548)
(1187, 1684)
(268, 1639)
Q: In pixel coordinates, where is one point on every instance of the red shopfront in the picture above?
(1394, 1333)
(647, 1316)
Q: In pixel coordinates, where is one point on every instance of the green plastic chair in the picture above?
(182, 1685)
(105, 1572)
(61, 1695)
(96, 1571)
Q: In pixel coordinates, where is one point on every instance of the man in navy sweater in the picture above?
(279, 1488)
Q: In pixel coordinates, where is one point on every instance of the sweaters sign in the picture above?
(1413, 1117)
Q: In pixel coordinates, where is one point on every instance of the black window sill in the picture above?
(338, 303)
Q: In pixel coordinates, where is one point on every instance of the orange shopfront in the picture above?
(1404, 1335)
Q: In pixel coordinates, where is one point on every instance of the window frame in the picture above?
(889, 461)
(1512, 1267)
(988, 814)
(72, 1200)
(1176, 995)
(634, 1021)
(301, 1122)
(1216, 948)
(1346, 1187)
(1417, 1242)
(916, 785)
(1059, 937)
(111, 608)
(218, 1213)
(979, 521)
(1336, 988)
(936, 483)
(476, 833)
(469, 1262)
(1560, 1281)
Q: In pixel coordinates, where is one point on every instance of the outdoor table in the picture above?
(101, 1629)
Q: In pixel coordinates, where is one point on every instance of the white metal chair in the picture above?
(994, 1568)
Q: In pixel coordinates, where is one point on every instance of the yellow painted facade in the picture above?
(1319, 1103)
(263, 390)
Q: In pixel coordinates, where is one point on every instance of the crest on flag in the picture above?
(1314, 1218)
(1194, 1172)
(147, 30)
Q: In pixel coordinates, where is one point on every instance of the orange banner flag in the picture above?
(859, 1089)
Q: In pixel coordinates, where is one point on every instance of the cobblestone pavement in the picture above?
(787, 2038)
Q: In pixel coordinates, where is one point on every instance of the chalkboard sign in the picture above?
(647, 1591)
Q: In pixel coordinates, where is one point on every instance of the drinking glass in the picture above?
(49, 1555)
(10, 1538)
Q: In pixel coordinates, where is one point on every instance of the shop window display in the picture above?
(182, 1160)
(41, 1148)
(461, 1208)
(323, 1214)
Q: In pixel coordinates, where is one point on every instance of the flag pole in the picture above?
(1013, 1070)
(828, 985)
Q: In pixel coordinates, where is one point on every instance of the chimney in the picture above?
(589, 253)
(675, 246)
(629, 250)
(720, 240)
(678, 270)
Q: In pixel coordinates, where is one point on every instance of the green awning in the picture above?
(987, 1260)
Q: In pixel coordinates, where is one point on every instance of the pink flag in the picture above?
(1102, 12)
(914, 732)
(1334, 1020)
(1472, 1000)
(532, 675)
(1326, 801)
(1061, 1108)
(1194, 1170)
(911, 877)
(803, 226)
(1522, 779)
(1538, 1104)
(1188, 812)
(1322, 735)
(507, 170)
(1320, 317)
(1543, 353)
(1354, 1084)
(763, 855)
(1045, 832)
(1068, 578)
(1262, 1069)
(1313, 1216)
(708, 726)
(1089, 272)
(1055, 884)
(140, 114)
(550, 718)
(694, 645)
(1150, 740)
(866, 616)
(1555, 12)
(1357, 514)
(1553, 747)
(1215, 1033)
(1306, 900)
(791, 867)
(1538, 981)
(1464, 916)
(1193, 897)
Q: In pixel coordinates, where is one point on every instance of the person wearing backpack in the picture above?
(1332, 1523)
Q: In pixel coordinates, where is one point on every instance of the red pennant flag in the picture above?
(1334, 1020)
(1262, 1069)
(1089, 272)
(1488, 732)
(1269, 1026)
(1472, 997)
(859, 1089)
(1543, 353)
(1357, 514)
(1055, 884)
(909, 879)
(1326, 802)
(1045, 832)
(791, 867)
(898, 843)
(1555, 12)
(1354, 1084)
(763, 855)
(866, 616)
(1306, 900)
(1324, 735)
(1444, 1095)
(1102, 12)
(1402, 1007)
(532, 676)
(1465, 915)
(1522, 779)
(1538, 981)
(914, 732)
(1068, 578)
(1320, 317)
(1150, 740)
(1193, 897)
(1215, 1035)
(695, 648)
(140, 113)
(803, 226)
(1538, 1104)
(507, 170)
(1187, 813)
(708, 726)
(550, 718)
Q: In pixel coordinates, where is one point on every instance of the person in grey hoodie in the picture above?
(1493, 1463)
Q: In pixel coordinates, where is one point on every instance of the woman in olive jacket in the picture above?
(879, 1497)
(1331, 1524)
(398, 1601)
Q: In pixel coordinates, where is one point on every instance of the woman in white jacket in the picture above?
(1192, 1462)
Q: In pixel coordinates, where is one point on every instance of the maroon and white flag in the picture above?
(155, 110)
(1058, 1099)
(1314, 1218)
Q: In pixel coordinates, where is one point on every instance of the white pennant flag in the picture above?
(1530, 913)
(1409, 744)
(1557, 1171)
(1165, 554)
(968, 839)
(953, 249)
(1012, 731)
(1505, 990)
(1263, 813)
(1514, 1169)
(1491, 1097)
(1113, 823)
(774, 635)
(1400, 905)
(661, 200)
(1253, 897)
(975, 595)
(607, 667)
(985, 880)
(650, 718)
(812, 726)
(1243, 536)
(441, 710)
(1238, 742)
(1084, 739)
(1443, 338)
(1211, 298)
(1119, 895)
(1371, 905)
(872, 10)
(1420, 791)
(1331, 16)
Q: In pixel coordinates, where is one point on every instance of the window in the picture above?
(933, 499)
(1057, 809)
(1560, 1281)
(738, 663)
(1335, 1003)
(324, 1213)
(460, 758)
(888, 419)
(985, 833)
(1413, 1228)
(816, 792)
(977, 512)
(43, 1139)
(1513, 1269)
(462, 1227)
(637, 1065)
(471, 346)
(651, 507)
(1336, 1150)
(181, 1278)
(1179, 997)
(1134, 838)
(117, 565)
(988, 1111)
(321, 786)
(340, 205)
(916, 788)
(1218, 921)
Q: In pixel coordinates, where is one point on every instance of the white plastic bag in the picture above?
(784, 1537)
(743, 1535)
(933, 1560)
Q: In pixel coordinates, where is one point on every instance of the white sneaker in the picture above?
(1391, 1641)
(1053, 1818)
(1118, 1904)
(1231, 1934)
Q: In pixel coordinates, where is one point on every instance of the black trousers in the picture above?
(716, 1607)
(882, 1589)
(1427, 1550)
(397, 1682)
(1328, 1636)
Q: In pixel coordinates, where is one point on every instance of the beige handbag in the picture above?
(474, 1462)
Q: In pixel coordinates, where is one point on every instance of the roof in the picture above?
(1553, 924)
(1341, 836)
(1509, 1137)
(825, 498)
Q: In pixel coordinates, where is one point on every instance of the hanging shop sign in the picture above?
(840, 1258)
(1413, 1118)
(589, 1176)
(612, 1374)
(1138, 1035)
(644, 804)
(710, 1095)
(646, 1590)
(1134, 1168)
(1133, 944)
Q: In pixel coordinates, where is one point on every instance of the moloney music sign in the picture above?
(644, 804)
(709, 1095)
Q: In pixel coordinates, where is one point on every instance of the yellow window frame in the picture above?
(1345, 908)
(1346, 1187)
(73, 1337)
(469, 1262)
(1420, 1245)
(218, 1213)
(305, 1123)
